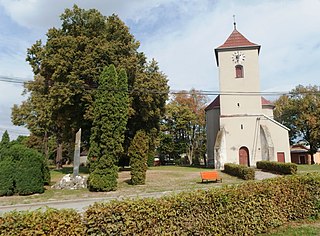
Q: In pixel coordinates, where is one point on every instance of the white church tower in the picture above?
(240, 124)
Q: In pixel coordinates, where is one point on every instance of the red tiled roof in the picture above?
(216, 103)
(266, 102)
(236, 39)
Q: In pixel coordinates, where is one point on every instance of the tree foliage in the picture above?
(109, 124)
(138, 153)
(67, 69)
(300, 111)
(184, 126)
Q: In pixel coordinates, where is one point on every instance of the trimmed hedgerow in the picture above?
(240, 171)
(282, 168)
(39, 222)
(247, 209)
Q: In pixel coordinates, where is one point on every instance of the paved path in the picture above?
(260, 175)
(80, 205)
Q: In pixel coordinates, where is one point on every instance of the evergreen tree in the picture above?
(299, 111)
(138, 153)
(5, 140)
(107, 134)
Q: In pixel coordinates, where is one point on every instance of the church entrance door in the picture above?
(244, 156)
(280, 157)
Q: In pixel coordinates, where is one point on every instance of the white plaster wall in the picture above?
(212, 128)
(280, 138)
(239, 103)
(236, 137)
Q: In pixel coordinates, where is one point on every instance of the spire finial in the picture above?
(234, 22)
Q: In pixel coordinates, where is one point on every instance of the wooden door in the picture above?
(280, 157)
(244, 156)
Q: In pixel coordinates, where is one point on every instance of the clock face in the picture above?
(238, 57)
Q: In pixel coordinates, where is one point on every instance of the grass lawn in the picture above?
(305, 228)
(308, 168)
(159, 179)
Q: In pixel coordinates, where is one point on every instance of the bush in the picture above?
(246, 209)
(49, 222)
(25, 171)
(6, 177)
(101, 180)
(240, 171)
(138, 153)
(282, 168)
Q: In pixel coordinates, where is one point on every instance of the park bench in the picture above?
(210, 176)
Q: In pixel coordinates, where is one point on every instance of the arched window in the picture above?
(239, 71)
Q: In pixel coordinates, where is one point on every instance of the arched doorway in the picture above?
(244, 156)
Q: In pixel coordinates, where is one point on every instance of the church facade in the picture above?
(239, 122)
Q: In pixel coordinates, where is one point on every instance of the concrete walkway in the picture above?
(260, 175)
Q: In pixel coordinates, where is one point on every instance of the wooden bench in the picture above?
(210, 176)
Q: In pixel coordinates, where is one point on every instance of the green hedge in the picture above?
(39, 222)
(246, 209)
(282, 168)
(241, 171)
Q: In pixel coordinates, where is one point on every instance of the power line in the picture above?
(19, 80)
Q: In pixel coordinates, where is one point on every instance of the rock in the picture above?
(68, 182)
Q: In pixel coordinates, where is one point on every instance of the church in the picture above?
(239, 121)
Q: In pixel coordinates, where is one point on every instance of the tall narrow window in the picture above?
(239, 71)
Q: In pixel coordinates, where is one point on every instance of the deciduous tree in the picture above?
(184, 126)
(67, 69)
(300, 111)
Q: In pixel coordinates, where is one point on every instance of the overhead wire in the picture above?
(22, 81)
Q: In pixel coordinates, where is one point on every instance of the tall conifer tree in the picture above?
(107, 134)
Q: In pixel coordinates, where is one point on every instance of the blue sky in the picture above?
(180, 35)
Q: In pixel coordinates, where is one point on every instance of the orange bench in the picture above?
(210, 176)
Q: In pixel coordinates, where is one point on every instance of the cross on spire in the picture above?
(234, 22)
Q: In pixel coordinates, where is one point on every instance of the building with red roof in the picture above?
(240, 124)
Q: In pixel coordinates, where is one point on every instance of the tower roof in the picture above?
(236, 39)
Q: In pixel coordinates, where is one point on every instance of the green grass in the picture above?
(308, 168)
(307, 228)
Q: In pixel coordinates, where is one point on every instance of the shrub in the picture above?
(101, 180)
(138, 153)
(25, 169)
(240, 171)
(6, 177)
(49, 222)
(246, 209)
(282, 168)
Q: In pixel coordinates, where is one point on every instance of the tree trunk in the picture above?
(45, 141)
(312, 159)
(59, 157)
